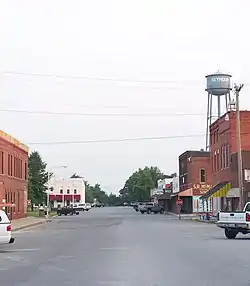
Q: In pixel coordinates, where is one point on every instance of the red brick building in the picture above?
(13, 175)
(194, 179)
(223, 154)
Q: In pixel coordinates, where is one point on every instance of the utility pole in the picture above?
(237, 89)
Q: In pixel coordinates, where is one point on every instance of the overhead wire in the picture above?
(116, 140)
(99, 114)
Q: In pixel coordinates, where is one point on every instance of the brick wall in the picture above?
(190, 165)
(223, 143)
(13, 178)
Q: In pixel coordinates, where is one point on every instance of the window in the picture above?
(75, 191)
(215, 161)
(8, 165)
(25, 171)
(18, 202)
(218, 159)
(11, 165)
(68, 191)
(203, 176)
(1, 162)
(226, 156)
(21, 169)
(61, 191)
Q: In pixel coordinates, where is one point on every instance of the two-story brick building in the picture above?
(194, 180)
(223, 155)
(13, 176)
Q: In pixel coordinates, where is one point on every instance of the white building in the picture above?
(65, 192)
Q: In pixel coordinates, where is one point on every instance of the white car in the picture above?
(87, 206)
(5, 229)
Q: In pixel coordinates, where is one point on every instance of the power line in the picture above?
(95, 78)
(99, 114)
(116, 140)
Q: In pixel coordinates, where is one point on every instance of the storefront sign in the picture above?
(202, 186)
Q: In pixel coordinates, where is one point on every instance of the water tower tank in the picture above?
(218, 83)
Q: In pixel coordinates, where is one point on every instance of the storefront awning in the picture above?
(218, 191)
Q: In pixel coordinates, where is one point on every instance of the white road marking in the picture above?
(114, 248)
(21, 250)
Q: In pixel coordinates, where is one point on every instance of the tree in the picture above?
(138, 185)
(37, 178)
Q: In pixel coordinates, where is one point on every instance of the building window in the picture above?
(226, 156)
(218, 159)
(61, 191)
(215, 161)
(21, 169)
(68, 191)
(18, 202)
(11, 165)
(8, 165)
(26, 171)
(1, 162)
(75, 191)
(203, 176)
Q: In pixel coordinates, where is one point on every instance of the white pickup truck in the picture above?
(235, 222)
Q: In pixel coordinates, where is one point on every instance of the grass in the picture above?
(35, 213)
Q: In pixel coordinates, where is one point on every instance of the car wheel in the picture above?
(142, 212)
(161, 211)
(230, 234)
(155, 212)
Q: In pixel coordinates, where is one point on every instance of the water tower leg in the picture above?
(229, 99)
(211, 109)
(218, 98)
(226, 99)
(208, 120)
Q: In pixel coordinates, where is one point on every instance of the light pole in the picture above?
(48, 178)
(237, 90)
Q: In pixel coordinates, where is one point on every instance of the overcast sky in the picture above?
(139, 42)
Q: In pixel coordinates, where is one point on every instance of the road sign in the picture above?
(28, 202)
(179, 202)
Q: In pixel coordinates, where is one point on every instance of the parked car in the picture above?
(67, 210)
(5, 229)
(136, 206)
(87, 207)
(235, 222)
(151, 207)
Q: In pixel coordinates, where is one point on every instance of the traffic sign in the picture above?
(179, 202)
(28, 202)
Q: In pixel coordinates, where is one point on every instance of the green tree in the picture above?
(37, 179)
(139, 184)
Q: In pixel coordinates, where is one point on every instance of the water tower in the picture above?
(217, 85)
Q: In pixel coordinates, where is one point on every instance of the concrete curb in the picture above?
(31, 225)
(206, 221)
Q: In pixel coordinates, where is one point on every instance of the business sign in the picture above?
(175, 185)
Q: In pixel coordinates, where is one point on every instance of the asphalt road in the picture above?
(119, 247)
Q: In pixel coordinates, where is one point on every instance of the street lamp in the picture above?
(49, 172)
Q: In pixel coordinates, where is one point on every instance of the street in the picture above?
(117, 246)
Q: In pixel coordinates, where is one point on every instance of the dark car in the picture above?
(151, 208)
(66, 211)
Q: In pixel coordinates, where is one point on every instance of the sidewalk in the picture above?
(27, 222)
(193, 217)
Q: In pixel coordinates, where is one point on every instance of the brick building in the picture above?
(223, 155)
(194, 180)
(13, 175)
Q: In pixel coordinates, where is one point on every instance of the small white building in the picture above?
(65, 192)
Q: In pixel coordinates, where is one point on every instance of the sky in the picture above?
(144, 59)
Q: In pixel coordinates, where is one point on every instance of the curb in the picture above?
(205, 221)
(31, 225)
